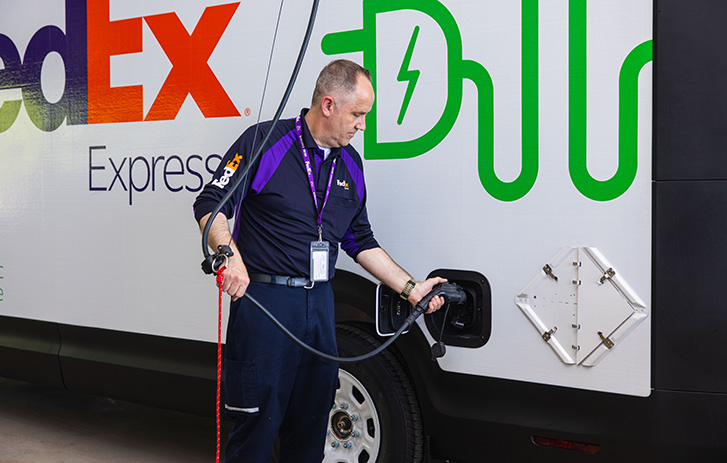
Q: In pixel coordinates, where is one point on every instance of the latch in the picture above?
(610, 273)
(606, 341)
(549, 271)
(548, 334)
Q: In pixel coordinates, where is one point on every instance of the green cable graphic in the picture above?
(364, 40)
(628, 106)
(459, 69)
(516, 189)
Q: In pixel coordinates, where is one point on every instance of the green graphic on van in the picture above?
(406, 75)
(628, 106)
(460, 69)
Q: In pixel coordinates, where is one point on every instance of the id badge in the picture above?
(319, 261)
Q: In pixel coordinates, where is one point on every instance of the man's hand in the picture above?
(423, 288)
(236, 278)
(235, 275)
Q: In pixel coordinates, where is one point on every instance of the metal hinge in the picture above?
(606, 341)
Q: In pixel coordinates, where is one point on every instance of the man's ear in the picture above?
(327, 105)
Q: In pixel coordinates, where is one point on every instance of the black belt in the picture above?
(290, 282)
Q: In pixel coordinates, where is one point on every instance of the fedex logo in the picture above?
(86, 47)
(229, 171)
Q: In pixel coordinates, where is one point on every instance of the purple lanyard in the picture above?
(309, 171)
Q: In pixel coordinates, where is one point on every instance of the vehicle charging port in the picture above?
(468, 324)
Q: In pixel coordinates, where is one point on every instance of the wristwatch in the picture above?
(407, 289)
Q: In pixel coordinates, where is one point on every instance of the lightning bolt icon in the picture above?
(406, 75)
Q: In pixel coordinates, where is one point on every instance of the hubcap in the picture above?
(354, 429)
(341, 425)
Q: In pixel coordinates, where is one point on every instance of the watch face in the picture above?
(407, 289)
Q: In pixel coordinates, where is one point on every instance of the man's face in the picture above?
(348, 113)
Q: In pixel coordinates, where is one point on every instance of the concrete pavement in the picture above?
(46, 425)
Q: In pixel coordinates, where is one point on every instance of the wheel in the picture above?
(375, 417)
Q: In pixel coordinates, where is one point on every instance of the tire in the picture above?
(375, 417)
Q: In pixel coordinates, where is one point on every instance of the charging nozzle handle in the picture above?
(451, 292)
(213, 262)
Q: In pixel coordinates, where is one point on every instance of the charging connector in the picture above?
(214, 262)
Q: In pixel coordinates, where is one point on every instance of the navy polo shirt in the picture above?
(276, 218)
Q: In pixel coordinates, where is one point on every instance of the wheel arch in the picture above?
(355, 298)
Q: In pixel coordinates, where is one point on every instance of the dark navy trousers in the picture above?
(274, 387)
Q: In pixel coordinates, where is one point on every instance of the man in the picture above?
(305, 196)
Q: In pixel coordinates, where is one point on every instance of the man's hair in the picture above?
(338, 78)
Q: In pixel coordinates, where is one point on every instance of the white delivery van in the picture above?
(560, 160)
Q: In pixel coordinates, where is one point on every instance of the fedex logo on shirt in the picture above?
(342, 183)
(228, 171)
(86, 47)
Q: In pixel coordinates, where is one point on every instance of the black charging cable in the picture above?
(451, 292)
(418, 310)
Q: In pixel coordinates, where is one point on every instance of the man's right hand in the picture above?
(236, 278)
(235, 275)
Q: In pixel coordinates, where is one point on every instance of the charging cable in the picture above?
(451, 292)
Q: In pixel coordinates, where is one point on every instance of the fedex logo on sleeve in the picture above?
(86, 47)
(229, 171)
